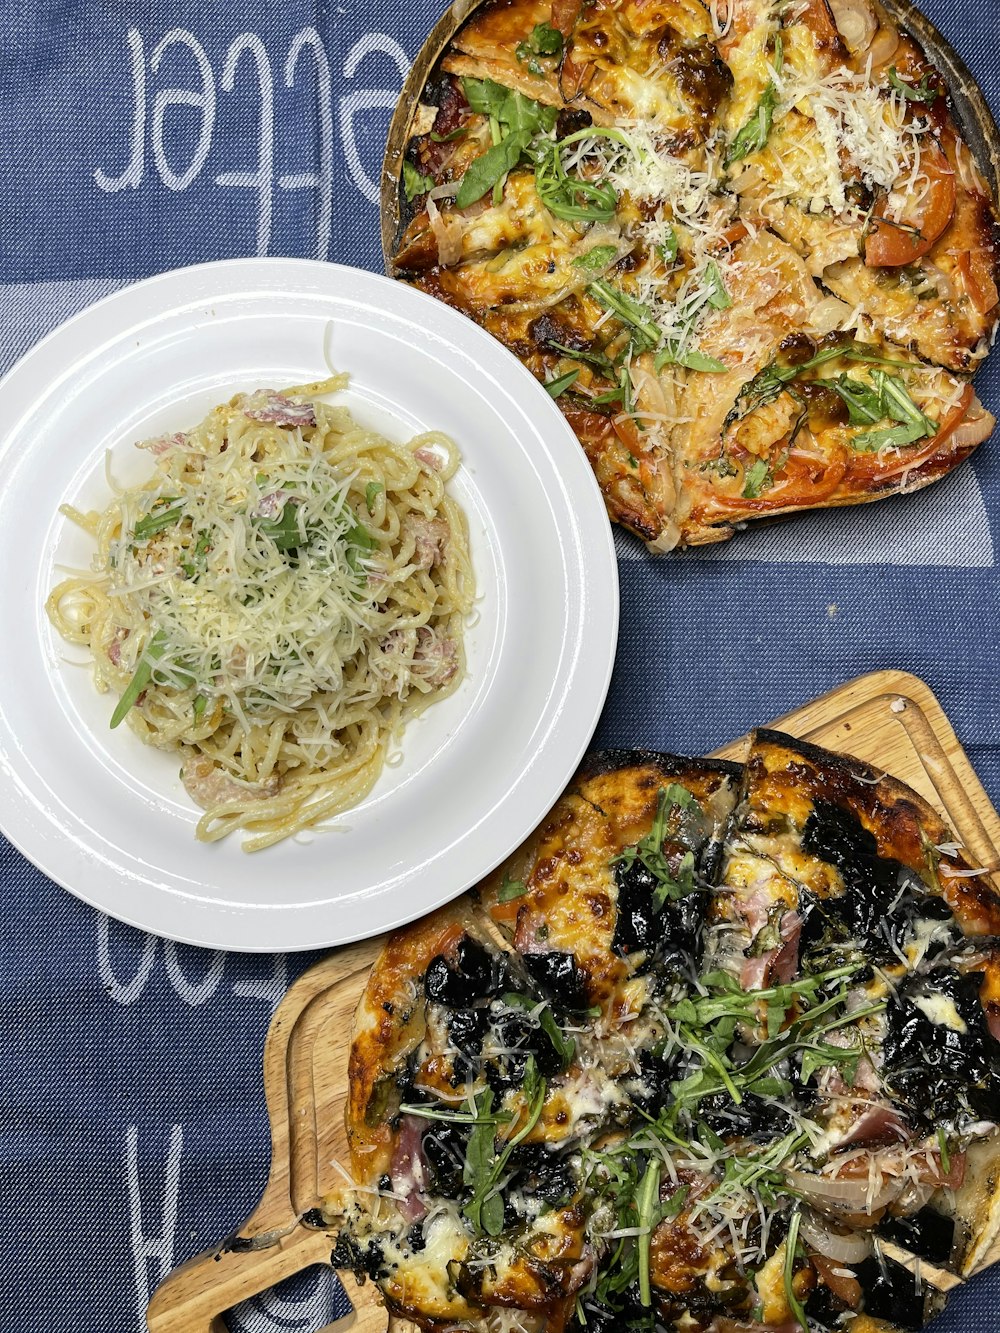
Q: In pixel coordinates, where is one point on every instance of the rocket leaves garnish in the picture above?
(516, 121)
(671, 802)
(141, 677)
(158, 519)
(484, 1165)
(757, 130)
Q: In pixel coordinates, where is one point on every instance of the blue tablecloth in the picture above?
(136, 137)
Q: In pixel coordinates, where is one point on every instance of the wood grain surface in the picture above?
(890, 719)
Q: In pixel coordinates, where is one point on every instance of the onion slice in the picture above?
(852, 1248)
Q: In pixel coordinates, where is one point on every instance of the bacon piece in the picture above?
(408, 1170)
(436, 657)
(162, 444)
(209, 786)
(778, 965)
(878, 1127)
(430, 535)
(277, 409)
(429, 459)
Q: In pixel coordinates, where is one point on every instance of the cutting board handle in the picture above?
(195, 1297)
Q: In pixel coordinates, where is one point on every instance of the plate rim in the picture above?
(217, 924)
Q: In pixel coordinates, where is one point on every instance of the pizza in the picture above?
(742, 243)
(717, 1050)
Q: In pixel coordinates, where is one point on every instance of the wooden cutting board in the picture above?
(890, 719)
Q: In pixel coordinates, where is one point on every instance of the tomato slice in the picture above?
(806, 479)
(976, 268)
(818, 18)
(892, 244)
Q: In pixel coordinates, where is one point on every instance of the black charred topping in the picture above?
(702, 76)
(537, 1171)
(939, 1072)
(824, 1310)
(313, 1217)
(927, 1234)
(546, 331)
(796, 348)
(571, 122)
(559, 977)
(892, 1293)
(872, 883)
(475, 975)
(650, 1089)
(518, 1037)
(671, 936)
(753, 1118)
(415, 1238)
(466, 1031)
(363, 1260)
(443, 1146)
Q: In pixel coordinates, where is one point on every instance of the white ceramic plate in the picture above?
(105, 815)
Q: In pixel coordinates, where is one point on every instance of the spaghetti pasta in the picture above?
(284, 593)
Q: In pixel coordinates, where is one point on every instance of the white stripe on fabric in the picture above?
(30, 310)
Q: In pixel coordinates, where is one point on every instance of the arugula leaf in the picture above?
(484, 1166)
(668, 250)
(791, 1250)
(756, 132)
(630, 311)
(863, 403)
(511, 889)
(448, 138)
(921, 92)
(563, 1045)
(561, 383)
(596, 259)
(358, 539)
(899, 406)
(771, 381)
(141, 677)
(198, 706)
(895, 437)
(372, 490)
(284, 530)
(646, 1200)
(414, 183)
(488, 170)
(671, 354)
(569, 197)
(516, 120)
(671, 802)
(758, 478)
(719, 298)
(158, 520)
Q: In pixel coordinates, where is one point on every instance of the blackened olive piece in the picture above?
(467, 1028)
(519, 1037)
(541, 1172)
(871, 882)
(823, 1310)
(474, 976)
(927, 1234)
(673, 933)
(559, 977)
(937, 1070)
(891, 1293)
(754, 1118)
(444, 1148)
(650, 1091)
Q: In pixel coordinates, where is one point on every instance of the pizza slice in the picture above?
(857, 161)
(834, 866)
